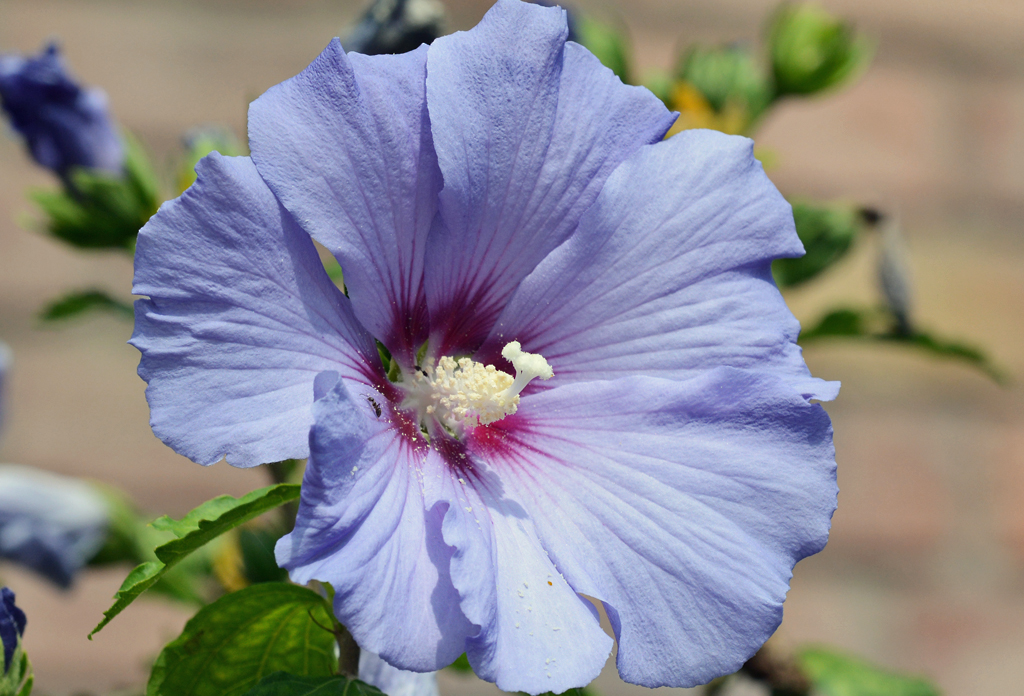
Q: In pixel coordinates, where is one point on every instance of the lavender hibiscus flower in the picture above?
(501, 199)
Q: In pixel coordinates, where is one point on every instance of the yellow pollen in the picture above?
(463, 393)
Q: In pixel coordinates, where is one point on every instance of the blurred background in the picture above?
(924, 571)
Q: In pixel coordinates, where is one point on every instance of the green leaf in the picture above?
(76, 303)
(845, 322)
(199, 527)
(131, 539)
(281, 684)
(956, 350)
(230, 645)
(835, 674)
(811, 50)
(259, 564)
(881, 325)
(827, 234)
(608, 43)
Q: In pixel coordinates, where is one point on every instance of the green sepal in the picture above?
(99, 210)
(282, 684)
(880, 325)
(16, 681)
(75, 303)
(811, 51)
(233, 643)
(197, 528)
(827, 233)
(608, 43)
(835, 674)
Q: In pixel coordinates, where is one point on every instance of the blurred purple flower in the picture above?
(5, 365)
(12, 625)
(49, 523)
(396, 26)
(497, 193)
(64, 125)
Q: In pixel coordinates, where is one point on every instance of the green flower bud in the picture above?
(728, 79)
(811, 50)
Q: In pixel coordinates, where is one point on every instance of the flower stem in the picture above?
(348, 653)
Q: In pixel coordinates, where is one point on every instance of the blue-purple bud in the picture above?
(12, 625)
(396, 26)
(64, 125)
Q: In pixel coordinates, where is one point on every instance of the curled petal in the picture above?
(536, 633)
(527, 128)
(683, 506)
(363, 526)
(240, 319)
(346, 146)
(669, 274)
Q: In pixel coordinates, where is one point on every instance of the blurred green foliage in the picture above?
(827, 233)
(75, 304)
(834, 674)
(198, 144)
(101, 210)
(728, 79)
(608, 43)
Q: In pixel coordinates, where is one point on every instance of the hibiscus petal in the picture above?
(669, 274)
(241, 318)
(393, 681)
(683, 506)
(527, 128)
(364, 528)
(346, 146)
(536, 634)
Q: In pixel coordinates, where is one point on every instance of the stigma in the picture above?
(462, 394)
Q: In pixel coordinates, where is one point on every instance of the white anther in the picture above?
(528, 366)
(463, 394)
